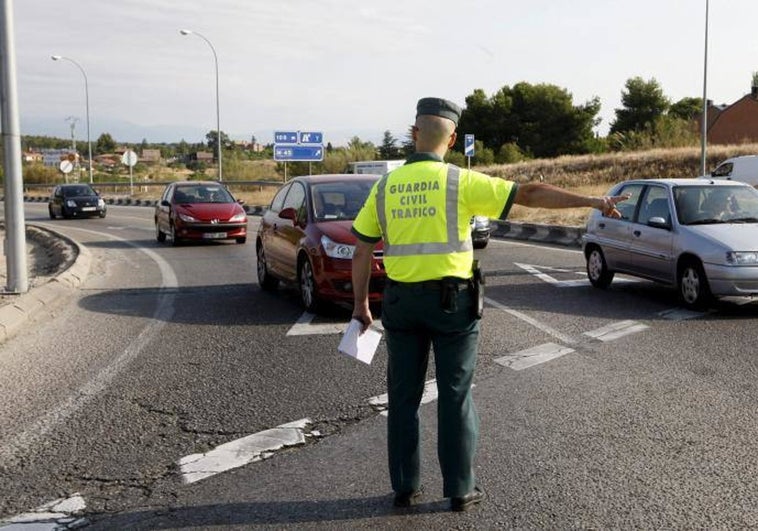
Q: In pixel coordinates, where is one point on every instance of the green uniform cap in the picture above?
(439, 107)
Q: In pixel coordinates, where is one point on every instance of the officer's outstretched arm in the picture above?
(361, 276)
(548, 196)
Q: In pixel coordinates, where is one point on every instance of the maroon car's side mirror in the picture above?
(288, 213)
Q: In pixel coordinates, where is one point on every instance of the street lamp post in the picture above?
(86, 99)
(218, 119)
(704, 124)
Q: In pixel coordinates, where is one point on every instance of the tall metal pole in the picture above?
(218, 114)
(704, 125)
(17, 275)
(86, 100)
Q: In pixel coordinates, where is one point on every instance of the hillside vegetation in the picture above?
(595, 174)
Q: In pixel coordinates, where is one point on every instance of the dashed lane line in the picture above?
(616, 330)
(55, 515)
(563, 338)
(240, 452)
(533, 356)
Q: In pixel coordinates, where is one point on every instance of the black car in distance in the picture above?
(75, 200)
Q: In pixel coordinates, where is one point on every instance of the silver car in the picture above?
(700, 235)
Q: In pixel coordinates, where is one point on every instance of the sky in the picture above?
(353, 68)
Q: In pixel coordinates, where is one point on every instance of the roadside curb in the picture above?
(27, 306)
(555, 234)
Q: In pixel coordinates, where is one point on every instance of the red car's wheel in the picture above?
(308, 292)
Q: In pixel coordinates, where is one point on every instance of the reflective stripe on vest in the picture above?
(452, 245)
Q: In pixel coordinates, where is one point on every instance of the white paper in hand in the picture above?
(359, 346)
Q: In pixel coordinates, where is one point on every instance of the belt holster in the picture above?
(477, 290)
(449, 295)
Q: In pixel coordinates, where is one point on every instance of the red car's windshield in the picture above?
(339, 200)
(205, 193)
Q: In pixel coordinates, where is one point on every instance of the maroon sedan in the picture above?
(199, 210)
(304, 238)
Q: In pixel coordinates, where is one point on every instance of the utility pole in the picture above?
(15, 227)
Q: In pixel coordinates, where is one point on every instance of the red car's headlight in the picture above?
(238, 218)
(187, 218)
(337, 250)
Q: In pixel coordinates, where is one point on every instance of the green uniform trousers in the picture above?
(414, 321)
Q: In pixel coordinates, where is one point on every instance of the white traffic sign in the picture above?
(129, 158)
(66, 166)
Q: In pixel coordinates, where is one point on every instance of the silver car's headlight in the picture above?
(742, 258)
(337, 250)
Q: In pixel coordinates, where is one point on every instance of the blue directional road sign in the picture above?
(285, 137)
(310, 137)
(298, 153)
(469, 145)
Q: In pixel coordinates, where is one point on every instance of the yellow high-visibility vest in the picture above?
(423, 210)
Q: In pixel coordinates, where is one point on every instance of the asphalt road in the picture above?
(600, 409)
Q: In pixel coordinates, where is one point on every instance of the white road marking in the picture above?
(533, 270)
(542, 326)
(533, 356)
(56, 514)
(538, 271)
(616, 330)
(305, 327)
(240, 452)
(430, 394)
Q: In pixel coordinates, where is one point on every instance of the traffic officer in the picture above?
(422, 212)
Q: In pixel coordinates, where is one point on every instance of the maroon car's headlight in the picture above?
(187, 218)
(337, 250)
(238, 218)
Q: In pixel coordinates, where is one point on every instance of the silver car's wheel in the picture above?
(308, 295)
(265, 280)
(693, 285)
(597, 269)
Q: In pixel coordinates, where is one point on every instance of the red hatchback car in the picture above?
(305, 238)
(199, 210)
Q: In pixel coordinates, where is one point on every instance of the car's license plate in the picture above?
(88, 209)
(214, 235)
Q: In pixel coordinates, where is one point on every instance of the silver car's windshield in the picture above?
(707, 204)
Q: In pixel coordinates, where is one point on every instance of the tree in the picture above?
(687, 108)
(409, 146)
(105, 144)
(211, 137)
(541, 120)
(643, 102)
(388, 150)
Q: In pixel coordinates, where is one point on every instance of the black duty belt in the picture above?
(431, 284)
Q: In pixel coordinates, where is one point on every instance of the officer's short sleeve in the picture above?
(366, 225)
(487, 196)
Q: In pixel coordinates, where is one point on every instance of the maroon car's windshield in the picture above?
(339, 200)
